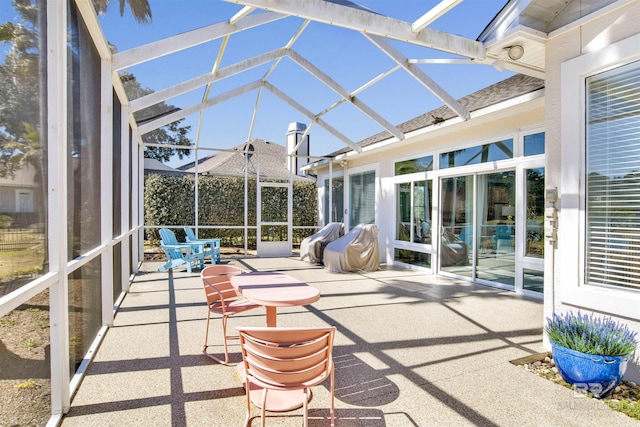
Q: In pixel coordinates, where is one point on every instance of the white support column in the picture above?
(346, 196)
(57, 203)
(331, 218)
(124, 195)
(246, 204)
(137, 191)
(292, 173)
(106, 190)
(258, 204)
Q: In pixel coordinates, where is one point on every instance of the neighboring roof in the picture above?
(502, 91)
(269, 157)
(156, 166)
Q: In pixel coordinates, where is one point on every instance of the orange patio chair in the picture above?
(285, 359)
(224, 300)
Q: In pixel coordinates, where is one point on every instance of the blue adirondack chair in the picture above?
(180, 253)
(214, 244)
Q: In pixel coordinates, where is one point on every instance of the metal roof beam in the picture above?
(189, 39)
(241, 14)
(419, 75)
(288, 46)
(302, 138)
(360, 89)
(181, 114)
(443, 61)
(436, 12)
(286, 98)
(371, 23)
(205, 79)
(332, 84)
(207, 90)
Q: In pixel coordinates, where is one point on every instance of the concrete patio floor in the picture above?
(411, 350)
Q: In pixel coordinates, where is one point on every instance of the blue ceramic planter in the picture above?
(589, 372)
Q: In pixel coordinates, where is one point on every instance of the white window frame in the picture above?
(571, 225)
(411, 178)
(412, 246)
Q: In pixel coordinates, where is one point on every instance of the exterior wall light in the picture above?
(515, 52)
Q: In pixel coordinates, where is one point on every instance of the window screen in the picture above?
(613, 178)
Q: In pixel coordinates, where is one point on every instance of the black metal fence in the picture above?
(15, 239)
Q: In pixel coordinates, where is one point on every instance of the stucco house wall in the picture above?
(430, 141)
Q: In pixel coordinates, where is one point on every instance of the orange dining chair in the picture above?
(286, 359)
(222, 299)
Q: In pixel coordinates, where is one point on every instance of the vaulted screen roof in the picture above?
(346, 70)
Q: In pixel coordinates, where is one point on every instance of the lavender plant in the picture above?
(590, 334)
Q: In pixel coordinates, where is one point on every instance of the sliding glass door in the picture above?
(496, 230)
(478, 235)
(456, 240)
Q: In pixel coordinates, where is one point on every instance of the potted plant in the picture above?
(591, 353)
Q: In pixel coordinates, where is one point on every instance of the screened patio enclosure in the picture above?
(87, 94)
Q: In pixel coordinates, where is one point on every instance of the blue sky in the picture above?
(346, 56)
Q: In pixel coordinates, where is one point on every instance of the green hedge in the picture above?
(168, 200)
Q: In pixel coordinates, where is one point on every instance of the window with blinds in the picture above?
(362, 190)
(613, 178)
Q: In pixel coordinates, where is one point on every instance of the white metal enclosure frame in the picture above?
(376, 28)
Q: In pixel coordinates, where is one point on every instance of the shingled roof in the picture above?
(272, 160)
(502, 91)
(153, 166)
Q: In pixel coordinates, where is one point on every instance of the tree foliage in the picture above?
(172, 134)
(20, 80)
(140, 9)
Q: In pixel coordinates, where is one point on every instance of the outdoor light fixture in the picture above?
(515, 52)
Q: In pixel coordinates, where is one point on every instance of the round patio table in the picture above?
(273, 289)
